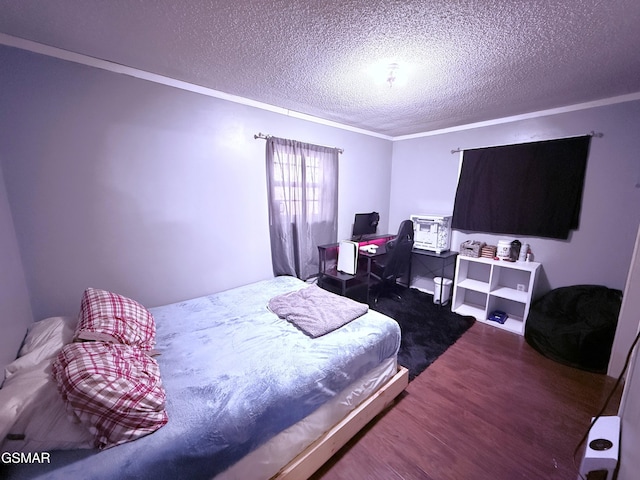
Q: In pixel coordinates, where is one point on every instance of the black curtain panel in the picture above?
(527, 189)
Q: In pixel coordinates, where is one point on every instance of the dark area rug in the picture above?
(427, 329)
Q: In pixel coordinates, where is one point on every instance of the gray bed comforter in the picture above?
(235, 375)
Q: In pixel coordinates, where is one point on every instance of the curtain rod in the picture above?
(267, 136)
(590, 134)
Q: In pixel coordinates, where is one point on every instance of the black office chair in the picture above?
(394, 264)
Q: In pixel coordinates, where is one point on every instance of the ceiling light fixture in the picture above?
(389, 73)
(393, 67)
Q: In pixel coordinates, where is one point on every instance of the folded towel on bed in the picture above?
(316, 311)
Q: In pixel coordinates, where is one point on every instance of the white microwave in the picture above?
(432, 232)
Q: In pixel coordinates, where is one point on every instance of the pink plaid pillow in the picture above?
(109, 317)
(114, 390)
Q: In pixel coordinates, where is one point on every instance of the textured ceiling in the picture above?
(464, 61)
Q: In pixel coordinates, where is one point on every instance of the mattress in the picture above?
(268, 459)
(235, 376)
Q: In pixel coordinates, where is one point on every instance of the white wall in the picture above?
(15, 310)
(147, 190)
(630, 403)
(629, 320)
(424, 178)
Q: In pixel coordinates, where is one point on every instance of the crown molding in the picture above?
(55, 52)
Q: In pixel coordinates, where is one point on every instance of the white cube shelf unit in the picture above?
(483, 285)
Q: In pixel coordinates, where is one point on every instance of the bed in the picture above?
(247, 394)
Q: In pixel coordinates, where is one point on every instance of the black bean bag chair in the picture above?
(575, 325)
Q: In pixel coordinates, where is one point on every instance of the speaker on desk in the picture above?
(603, 446)
(348, 257)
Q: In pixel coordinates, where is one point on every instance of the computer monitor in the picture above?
(365, 224)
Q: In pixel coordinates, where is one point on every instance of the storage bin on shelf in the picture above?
(471, 248)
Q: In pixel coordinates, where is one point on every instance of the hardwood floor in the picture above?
(490, 407)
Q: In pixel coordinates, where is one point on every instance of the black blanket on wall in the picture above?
(528, 189)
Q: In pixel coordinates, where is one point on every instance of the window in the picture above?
(303, 204)
(295, 189)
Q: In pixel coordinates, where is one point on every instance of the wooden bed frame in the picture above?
(316, 454)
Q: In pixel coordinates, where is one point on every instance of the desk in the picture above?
(329, 275)
(328, 258)
(445, 259)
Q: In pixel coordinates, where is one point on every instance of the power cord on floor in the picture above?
(606, 403)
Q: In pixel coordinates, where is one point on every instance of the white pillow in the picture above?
(48, 333)
(17, 392)
(34, 415)
(43, 341)
(30, 404)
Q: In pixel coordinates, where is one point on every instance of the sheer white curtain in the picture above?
(302, 184)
